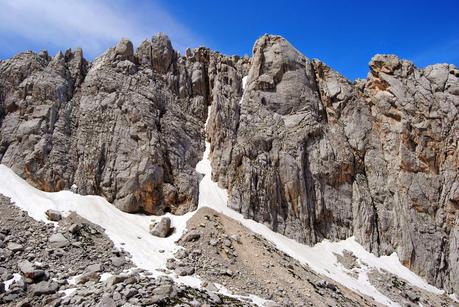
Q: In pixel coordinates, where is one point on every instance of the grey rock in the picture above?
(184, 271)
(115, 279)
(44, 288)
(171, 264)
(74, 228)
(302, 150)
(106, 302)
(28, 270)
(125, 50)
(58, 240)
(53, 215)
(93, 268)
(128, 293)
(161, 229)
(163, 292)
(192, 235)
(118, 261)
(15, 247)
(181, 254)
(316, 156)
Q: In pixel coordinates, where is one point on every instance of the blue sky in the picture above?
(343, 34)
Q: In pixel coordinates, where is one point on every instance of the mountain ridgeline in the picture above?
(301, 149)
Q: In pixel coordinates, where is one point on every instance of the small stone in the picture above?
(184, 271)
(44, 288)
(106, 302)
(181, 254)
(58, 240)
(163, 292)
(117, 261)
(14, 247)
(117, 296)
(213, 242)
(171, 264)
(96, 267)
(211, 287)
(214, 297)
(115, 279)
(236, 238)
(192, 235)
(74, 228)
(227, 242)
(53, 215)
(28, 270)
(128, 293)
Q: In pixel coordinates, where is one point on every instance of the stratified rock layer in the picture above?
(301, 149)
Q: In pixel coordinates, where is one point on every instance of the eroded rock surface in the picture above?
(301, 149)
(128, 126)
(316, 156)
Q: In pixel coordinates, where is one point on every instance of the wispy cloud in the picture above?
(92, 25)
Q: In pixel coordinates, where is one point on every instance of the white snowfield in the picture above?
(131, 232)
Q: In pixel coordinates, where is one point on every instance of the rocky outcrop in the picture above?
(127, 126)
(315, 156)
(301, 149)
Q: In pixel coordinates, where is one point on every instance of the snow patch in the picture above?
(105, 276)
(127, 231)
(68, 292)
(16, 277)
(244, 83)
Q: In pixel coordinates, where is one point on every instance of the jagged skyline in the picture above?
(417, 31)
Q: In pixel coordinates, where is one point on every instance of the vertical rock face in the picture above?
(128, 126)
(315, 156)
(301, 149)
(277, 169)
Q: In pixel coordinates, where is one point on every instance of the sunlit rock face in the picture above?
(316, 156)
(301, 149)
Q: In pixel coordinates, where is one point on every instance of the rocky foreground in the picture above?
(71, 262)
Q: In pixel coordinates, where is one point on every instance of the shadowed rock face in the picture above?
(302, 150)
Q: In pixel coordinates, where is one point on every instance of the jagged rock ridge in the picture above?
(304, 150)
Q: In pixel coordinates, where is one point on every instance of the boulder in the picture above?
(124, 50)
(53, 215)
(161, 229)
(28, 270)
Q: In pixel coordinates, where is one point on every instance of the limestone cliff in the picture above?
(301, 149)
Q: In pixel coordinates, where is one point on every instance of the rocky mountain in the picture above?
(301, 149)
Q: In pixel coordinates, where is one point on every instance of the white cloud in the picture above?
(92, 25)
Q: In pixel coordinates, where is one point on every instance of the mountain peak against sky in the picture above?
(214, 179)
(344, 35)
